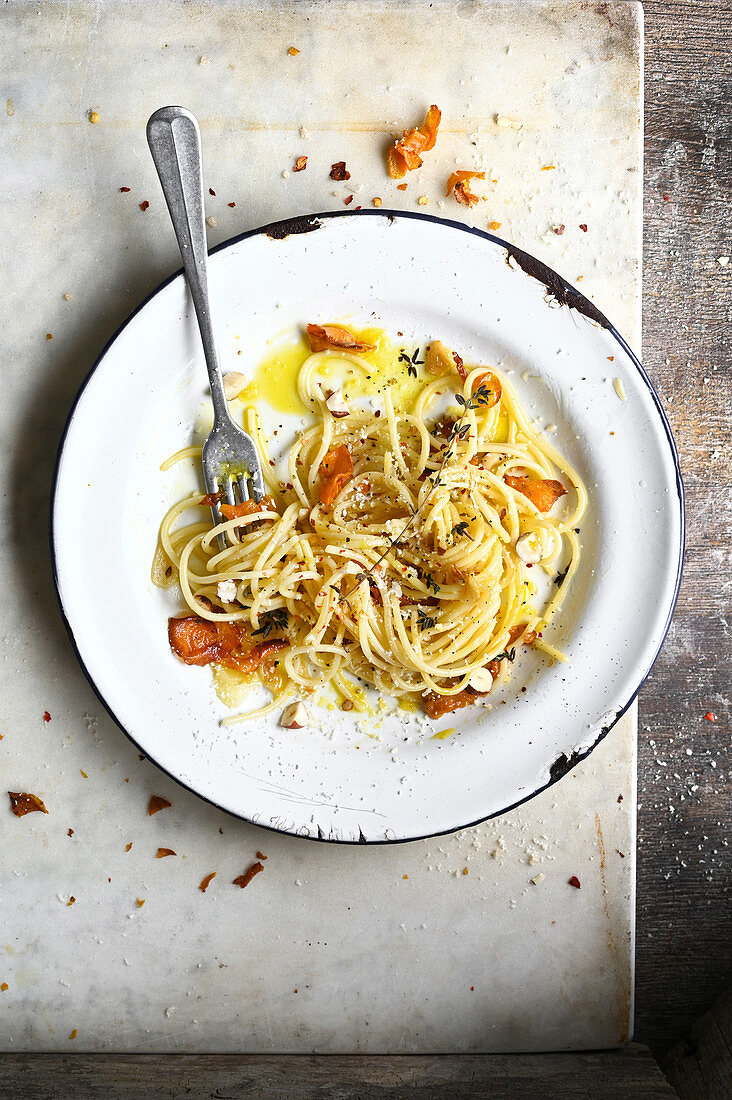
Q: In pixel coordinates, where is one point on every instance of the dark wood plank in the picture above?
(613, 1075)
(700, 1067)
(684, 943)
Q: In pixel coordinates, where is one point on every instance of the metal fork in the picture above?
(230, 458)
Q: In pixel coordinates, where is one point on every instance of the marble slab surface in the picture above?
(442, 945)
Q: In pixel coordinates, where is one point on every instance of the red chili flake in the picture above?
(74, 1033)
(124, 190)
(401, 187)
(231, 204)
(338, 171)
(348, 199)
(574, 881)
(83, 773)
(611, 358)
(71, 900)
(583, 227)
(144, 205)
(260, 856)
(140, 902)
(472, 989)
(300, 164)
(558, 229)
(710, 717)
(46, 716)
(212, 192)
(206, 882)
(49, 336)
(163, 852)
(70, 832)
(23, 803)
(4, 987)
(157, 802)
(293, 51)
(246, 878)
(128, 846)
(620, 798)
(667, 198)
(377, 414)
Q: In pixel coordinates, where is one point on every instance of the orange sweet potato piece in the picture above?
(336, 470)
(542, 492)
(248, 508)
(458, 183)
(323, 337)
(406, 154)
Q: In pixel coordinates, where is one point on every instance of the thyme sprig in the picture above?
(424, 621)
(461, 529)
(459, 430)
(413, 361)
(271, 620)
(507, 655)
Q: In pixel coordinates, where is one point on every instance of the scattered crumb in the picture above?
(127, 848)
(260, 855)
(140, 903)
(144, 205)
(304, 133)
(377, 201)
(401, 187)
(618, 387)
(74, 1033)
(538, 878)
(246, 878)
(83, 773)
(465, 870)
(163, 852)
(232, 204)
(423, 200)
(558, 229)
(300, 164)
(67, 297)
(494, 225)
(22, 803)
(94, 116)
(293, 51)
(211, 220)
(71, 900)
(722, 260)
(508, 123)
(49, 336)
(157, 802)
(574, 881)
(206, 882)
(3, 987)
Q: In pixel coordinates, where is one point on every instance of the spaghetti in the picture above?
(397, 554)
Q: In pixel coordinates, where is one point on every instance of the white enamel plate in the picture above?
(384, 777)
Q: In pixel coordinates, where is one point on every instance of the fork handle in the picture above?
(175, 143)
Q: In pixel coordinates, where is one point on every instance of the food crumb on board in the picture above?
(140, 902)
(293, 51)
(206, 882)
(94, 116)
(574, 881)
(246, 878)
(618, 387)
(157, 802)
(538, 878)
(74, 1033)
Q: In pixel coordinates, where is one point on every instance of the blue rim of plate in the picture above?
(306, 223)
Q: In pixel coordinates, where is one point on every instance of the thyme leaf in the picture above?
(507, 655)
(272, 620)
(424, 622)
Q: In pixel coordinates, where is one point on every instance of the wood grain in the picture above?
(684, 942)
(614, 1075)
(700, 1067)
